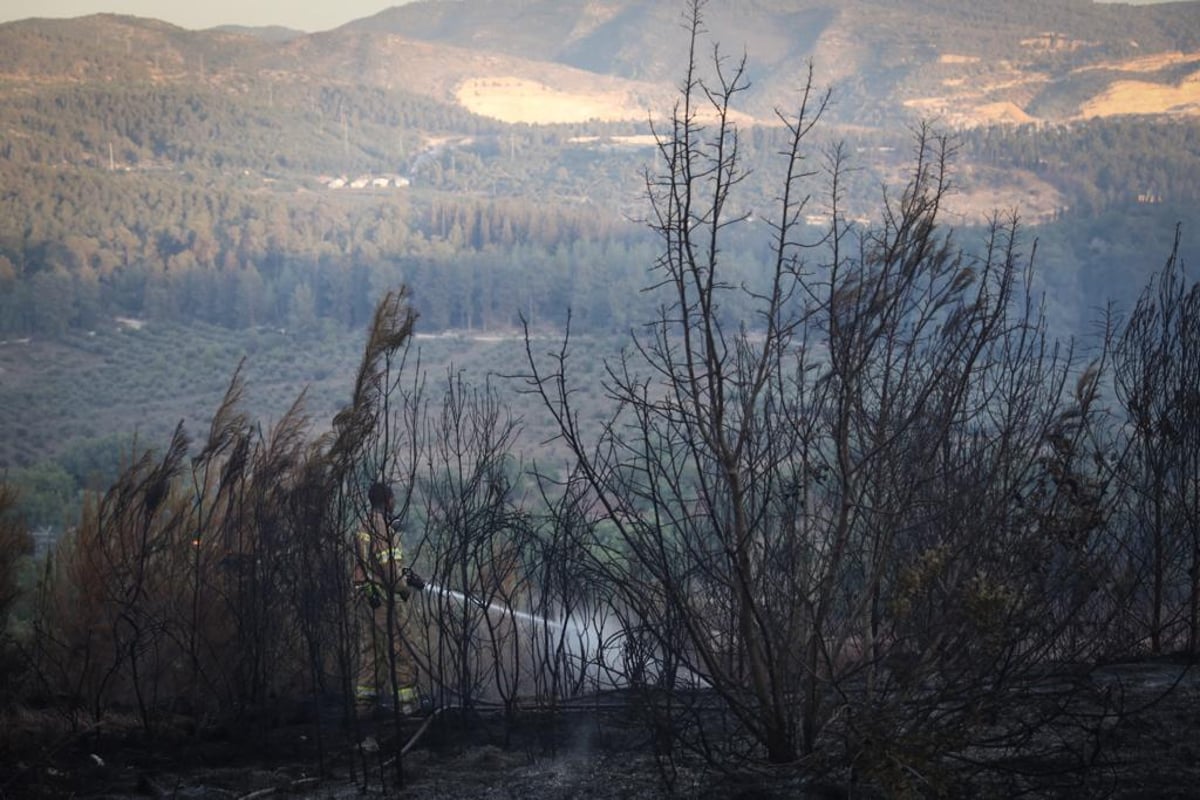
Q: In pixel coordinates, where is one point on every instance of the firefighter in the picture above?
(380, 578)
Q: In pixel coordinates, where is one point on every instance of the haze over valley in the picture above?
(251, 191)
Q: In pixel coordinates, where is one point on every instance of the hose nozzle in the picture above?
(413, 579)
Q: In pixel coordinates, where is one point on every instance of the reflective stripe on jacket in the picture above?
(383, 555)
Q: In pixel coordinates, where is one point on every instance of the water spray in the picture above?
(599, 645)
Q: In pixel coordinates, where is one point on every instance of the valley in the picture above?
(190, 178)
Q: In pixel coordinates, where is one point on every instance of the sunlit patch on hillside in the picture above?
(1000, 95)
(1004, 111)
(1143, 97)
(518, 100)
(968, 112)
(1004, 98)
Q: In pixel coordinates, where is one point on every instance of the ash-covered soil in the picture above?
(1151, 749)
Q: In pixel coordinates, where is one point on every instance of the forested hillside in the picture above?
(155, 172)
(281, 182)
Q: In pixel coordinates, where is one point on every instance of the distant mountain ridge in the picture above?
(879, 53)
(570, 60)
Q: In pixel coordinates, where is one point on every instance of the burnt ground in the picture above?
(602, 751)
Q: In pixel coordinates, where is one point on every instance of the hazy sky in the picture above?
(307, 15)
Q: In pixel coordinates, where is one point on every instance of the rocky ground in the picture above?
(1152, 751)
